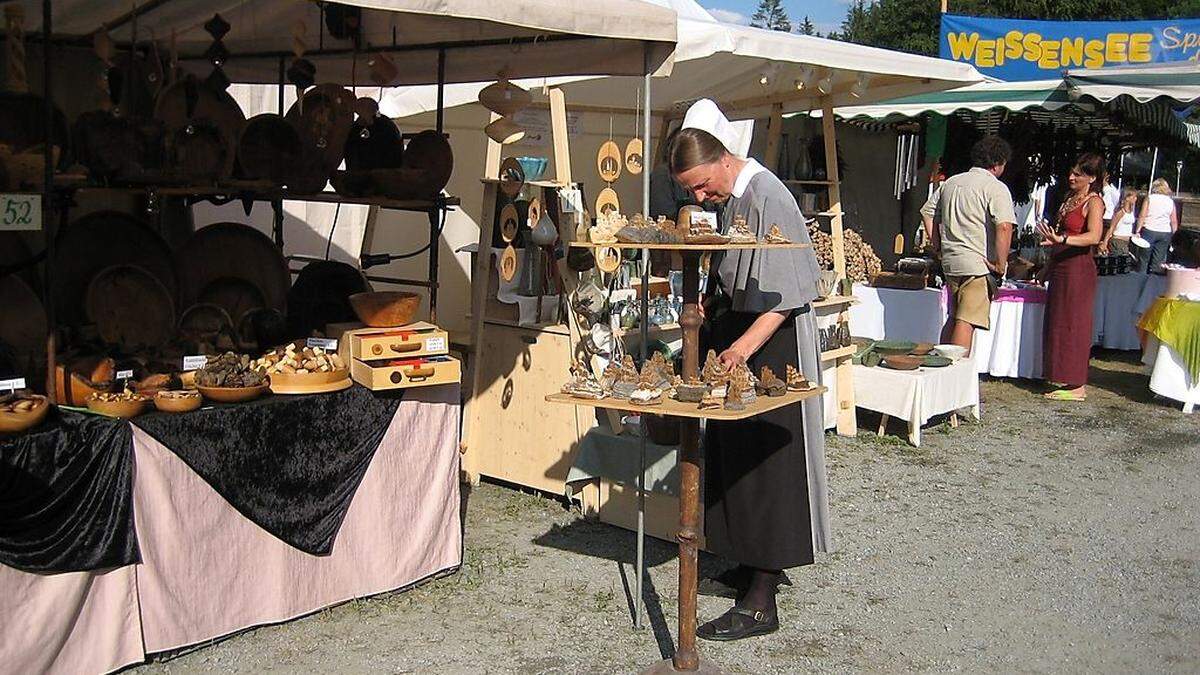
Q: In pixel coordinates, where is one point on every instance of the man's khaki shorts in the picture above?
(972, 300)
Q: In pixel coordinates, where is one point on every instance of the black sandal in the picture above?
(739, 623)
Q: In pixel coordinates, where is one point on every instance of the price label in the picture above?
(124, 374)
(194, 362)
(13, 384)
(435, 344)
(570, 200)
(328, 344)
(20, 211)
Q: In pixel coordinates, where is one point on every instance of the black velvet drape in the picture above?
(66, 495)
(290, 464)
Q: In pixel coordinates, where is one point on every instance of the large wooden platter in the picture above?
(232, 250)
(100, 240)
(673, 408)
(130, 307)
(22, 325)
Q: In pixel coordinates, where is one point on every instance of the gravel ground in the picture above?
(1050, 537)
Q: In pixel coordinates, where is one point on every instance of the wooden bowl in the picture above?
(234, 394)
(309, 383)
(16, 422)
(385, 309)
(922, 349)
(902, 361)
(179, 404)
(120, 409)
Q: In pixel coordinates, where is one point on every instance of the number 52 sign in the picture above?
(20, 211)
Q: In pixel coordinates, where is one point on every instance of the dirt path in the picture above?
(1051, 537)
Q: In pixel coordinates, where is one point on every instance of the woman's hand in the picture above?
(1103, 247)
(732, 357)
(1049, 236)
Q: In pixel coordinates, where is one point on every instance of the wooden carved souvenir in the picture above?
(534, 215)
(633, 156)
(508, 263)
(504, 98)
(512, 177)
(608, 259)
(770, 384)
(608, 162)
(775, 236)
(382, 69)
(509, 223)
(607, 202)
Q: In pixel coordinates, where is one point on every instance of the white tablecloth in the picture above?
(916, 316)
(917, 395)
(1169, 375)
(1013, 347)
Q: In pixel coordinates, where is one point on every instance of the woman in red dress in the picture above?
(1067, 331)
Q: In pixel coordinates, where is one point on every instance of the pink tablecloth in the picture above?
(206, 571)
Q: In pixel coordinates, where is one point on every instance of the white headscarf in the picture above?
(706, 116)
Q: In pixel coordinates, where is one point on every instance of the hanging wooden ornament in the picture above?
(607, 202)
(504, 98)
(382, 69)
(608, 162)
(512, 177)
(608, 259)
(504, 131)
(633, 156)
(508, 263)
(510, 223)
(535, 213)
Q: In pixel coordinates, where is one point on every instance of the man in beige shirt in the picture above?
(973, 214)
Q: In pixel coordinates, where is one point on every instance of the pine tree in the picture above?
(770, 14)
(807, 28)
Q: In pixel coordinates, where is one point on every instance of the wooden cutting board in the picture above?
(131, 308)
(232, 250)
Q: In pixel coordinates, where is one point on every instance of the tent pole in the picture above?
(645, 291)
(1121, 168)
(48, 196)
(441, 90)
(1153, 165)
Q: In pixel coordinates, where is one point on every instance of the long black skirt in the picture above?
(756, 481)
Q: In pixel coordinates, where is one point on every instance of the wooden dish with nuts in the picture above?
(21, 410)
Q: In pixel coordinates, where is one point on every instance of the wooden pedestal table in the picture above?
(687, 658)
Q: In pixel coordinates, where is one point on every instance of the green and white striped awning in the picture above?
(1179, 82)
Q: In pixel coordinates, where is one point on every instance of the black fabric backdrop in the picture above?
(66, 495)
(290, 464)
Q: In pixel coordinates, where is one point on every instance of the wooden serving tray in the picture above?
(405, 373)
(405, 342)
(310, 383)
(673, 408)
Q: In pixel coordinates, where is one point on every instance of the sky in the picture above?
(827, 15)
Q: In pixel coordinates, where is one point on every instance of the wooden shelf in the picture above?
(673, 408)
(835, 301)
(835, 354)
(823, 214)
(239, 191)
(534, 183)
(651, 331)
(687, 247)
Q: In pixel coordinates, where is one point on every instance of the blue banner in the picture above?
(1016, 49)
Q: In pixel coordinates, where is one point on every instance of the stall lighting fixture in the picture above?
(860, 85)
(825, 84)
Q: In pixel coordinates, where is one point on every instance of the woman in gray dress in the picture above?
(766, 504)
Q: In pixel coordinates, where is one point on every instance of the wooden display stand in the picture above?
(847, 422)
(511, 434)
(687, 656)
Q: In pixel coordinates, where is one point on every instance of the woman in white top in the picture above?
(1157, 224)
(1120, 224)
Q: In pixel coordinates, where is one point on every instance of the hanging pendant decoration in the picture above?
(510, 223)
(505, 99)
(633, 156)
(607, 202)
(508, 264)
(512, 177)
(534, 213)
(608, 162)
(382, 69)
(302, 73)
(217, 53)
(608, 259)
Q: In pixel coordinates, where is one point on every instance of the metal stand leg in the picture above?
(641, 483)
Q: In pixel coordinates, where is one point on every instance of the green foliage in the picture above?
(912, 25)
(771, 14)
(807, 27)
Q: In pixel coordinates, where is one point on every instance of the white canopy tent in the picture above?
(746, 70)
(477, 37)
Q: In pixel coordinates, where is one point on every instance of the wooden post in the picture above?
(491, 161)
(945, 6)
(847, 423)
(686, 656)
(558, 123)
(480, 277)
(774, 135)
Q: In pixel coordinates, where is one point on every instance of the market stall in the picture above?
(278, 475)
